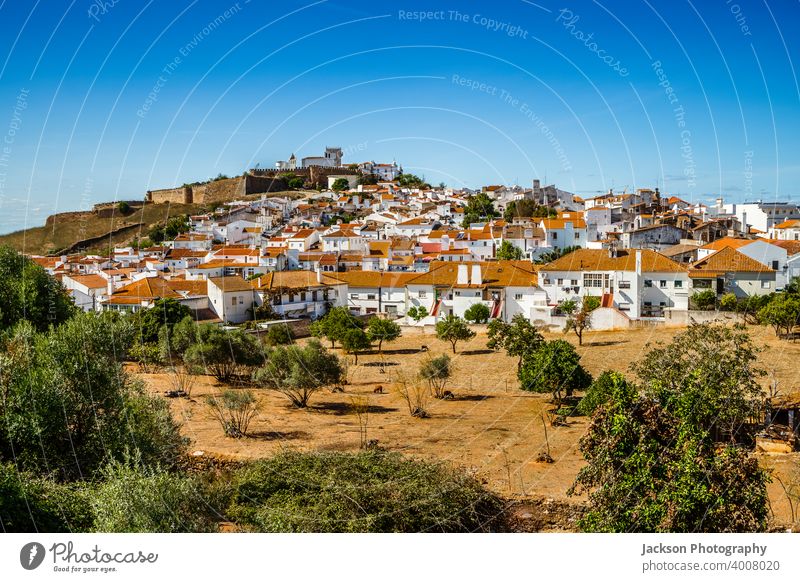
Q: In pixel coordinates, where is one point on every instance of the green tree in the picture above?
(782, 313)
(412, 181)
(417, 313)
(28, 293)
(335, 324)
(436, 372)
(600, 391)
(164, 313)
(527, 209)
(479, 208)
(705, 299)
(508, 252)
(225, 353)
(477, 313)
(123, 208)
(729, 302)
(176, 225)
(382, 330)
(555, 368)
(355, 340)
(556, 253)
(518, 338)
(299, 371)
(708, 374)
(453, 329)
(651, 468)
(68, 404)
(340, 184)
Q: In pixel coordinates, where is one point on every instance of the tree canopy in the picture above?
(508, 252)
(335, 324)
(453, 329)
(518, 338)
(382, 330)
(555, 368)
(479, 208)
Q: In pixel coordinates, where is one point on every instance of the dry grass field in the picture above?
(491, 427)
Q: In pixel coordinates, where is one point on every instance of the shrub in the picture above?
(123, 208)
(705, 299)
(369, 491)
(234, 409)
(279, 335)
(436, 372)
(335, 324)
(31, 504)
(226, 354)
(417, 313)
(148, 356)
(354, 341)
(728, 302)
(135, 499)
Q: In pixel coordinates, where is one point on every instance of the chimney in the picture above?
(445, 244)
(477, 279)
(638, 263)
(110, 285)
(463, 275)
(319, 274)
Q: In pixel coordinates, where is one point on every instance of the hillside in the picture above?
(102, 229)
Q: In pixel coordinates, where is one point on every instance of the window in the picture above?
(555, 236)
(353, 295)
(766, 284)
(648, 283)
(577, 236)
(517, 296)
(593, 279)
(774, 265)
(678, 284)
(560, 281)
(241, 300)
(662, 284)
(371, 296)
(423, 294)
(457, 293)
(573, 282)
(233, 300)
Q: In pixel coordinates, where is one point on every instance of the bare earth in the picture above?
(491, 427)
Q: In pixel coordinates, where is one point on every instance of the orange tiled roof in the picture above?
(726, 260)
(599, 260)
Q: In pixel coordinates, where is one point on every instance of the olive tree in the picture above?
(298, 372)
(382, 330)
(518, 338)
(555, 368)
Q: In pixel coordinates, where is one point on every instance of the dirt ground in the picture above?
(491, 427)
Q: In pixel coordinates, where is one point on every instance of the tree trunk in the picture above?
(454, 347)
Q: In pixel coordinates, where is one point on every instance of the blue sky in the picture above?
(104, 100)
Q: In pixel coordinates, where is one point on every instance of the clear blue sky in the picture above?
(499, 92)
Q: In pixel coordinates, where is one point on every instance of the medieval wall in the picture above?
(182, 195)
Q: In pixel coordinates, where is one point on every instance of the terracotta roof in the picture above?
(727, 260)
(728, 243)
(792, 246)
(599, 260)
(374, 279)
(379, 249)
(788, 224)
(150, 288)
(559, 223)
(493, 274)
(226, 284)
(292, 280)
(90, 281)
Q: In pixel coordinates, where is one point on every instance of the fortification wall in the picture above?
(218, 190)
(182, 195)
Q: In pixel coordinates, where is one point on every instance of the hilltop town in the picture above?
(312, 234)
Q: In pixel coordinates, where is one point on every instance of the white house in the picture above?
(638, 282)
(376, 292)
(762, 250)
(87, 291)
(299, 293)
(730, 271)
(231, 298)
(568, 231)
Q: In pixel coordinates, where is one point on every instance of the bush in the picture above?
(123, 208)
(69, 405)
(225, 354)
(279, 335)
(362, 492)
(729, 302)
(436, 372)
(148, 356)
(703, 300)
(554, 367)
(382, 330)
(477, 313)
(31, 504)
(135, 499)
(234, 409)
